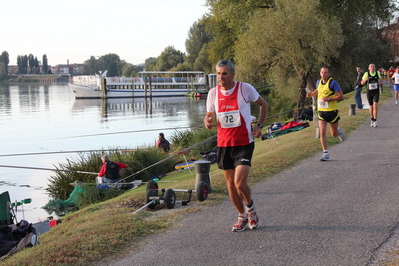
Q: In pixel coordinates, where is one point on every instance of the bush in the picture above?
(142, 163)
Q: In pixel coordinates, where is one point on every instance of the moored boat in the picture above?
(146, 84)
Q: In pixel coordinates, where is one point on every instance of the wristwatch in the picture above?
(259, 125)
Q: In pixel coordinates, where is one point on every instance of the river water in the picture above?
(37, 118)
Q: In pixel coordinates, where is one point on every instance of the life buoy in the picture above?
(136, 79)
(113, 79)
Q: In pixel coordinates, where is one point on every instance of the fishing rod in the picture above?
(283, 113)
(121, 132)
(56, 152)
(48, 169)
(116, 183)
(183, 151)
(95, 173)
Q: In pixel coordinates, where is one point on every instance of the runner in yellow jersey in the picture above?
(328, 93)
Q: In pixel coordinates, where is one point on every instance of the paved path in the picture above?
(340, 212)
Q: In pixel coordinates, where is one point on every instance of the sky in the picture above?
(75, 30)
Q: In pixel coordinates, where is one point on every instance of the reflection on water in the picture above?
(37, 118)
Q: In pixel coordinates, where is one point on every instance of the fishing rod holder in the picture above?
(155, 196)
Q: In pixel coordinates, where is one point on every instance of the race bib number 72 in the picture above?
(229, 119)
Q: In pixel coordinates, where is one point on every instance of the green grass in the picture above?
(97, 232)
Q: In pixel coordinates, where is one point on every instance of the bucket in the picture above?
(202, 173)
(41, 227)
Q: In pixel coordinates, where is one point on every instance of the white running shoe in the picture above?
(240, 225)
(341, 135)
(253, 219)
(375, 124)
(325, 157)
(372, 124)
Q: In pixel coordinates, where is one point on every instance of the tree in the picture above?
(202, 62)
(31, 62)
(3, 72)
(45, 64)
(36, 66)
(169, 58)
(198, 37)
(230, 22)
(22, 62)
(360, 20)
(150, 64)
(90, 66)
(276, 38)
(110, 62)
(5, 58)
(181, 67)
(227, 20)
(129, 70)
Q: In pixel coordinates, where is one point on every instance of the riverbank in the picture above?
(100, 232)
(33, 78)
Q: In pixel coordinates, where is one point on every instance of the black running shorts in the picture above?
(373, 96)
(231, 157)
(329, 116)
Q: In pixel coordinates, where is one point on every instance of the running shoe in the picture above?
(253, 219)
(372, 124)
(341, 135)
(325, 157)
(375, 124)
(240, 224)
(396, 103)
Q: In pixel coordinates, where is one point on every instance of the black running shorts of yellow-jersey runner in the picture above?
(231, 157)
(329, 116)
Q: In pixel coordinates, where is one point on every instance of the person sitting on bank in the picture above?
(111, 171)
(163, 143)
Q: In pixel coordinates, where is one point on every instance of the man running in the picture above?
(372, 79)
(230, 101)
(328, 93)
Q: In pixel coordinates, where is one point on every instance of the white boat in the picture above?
(146, 84)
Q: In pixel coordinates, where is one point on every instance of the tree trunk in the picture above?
(307, 82)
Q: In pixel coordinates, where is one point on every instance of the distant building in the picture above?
(12, 70)
(68, 69)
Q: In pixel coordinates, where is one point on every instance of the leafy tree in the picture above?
(181, 67)
(90, 66)
(169, 58)
(36, 66)
(129, 70)
(202, 63)
(110, 62)
(150, 63)
(227, 20)
(362, 45)
(22, 62)
(45, 64)
(31, 62)
(5, 58)
(233, 24)
(197, 38)
(3, 71)
(276, 38)
(121, 64)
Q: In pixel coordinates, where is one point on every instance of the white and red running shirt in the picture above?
(233, 113)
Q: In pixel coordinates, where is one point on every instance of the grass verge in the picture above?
(100, 231)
